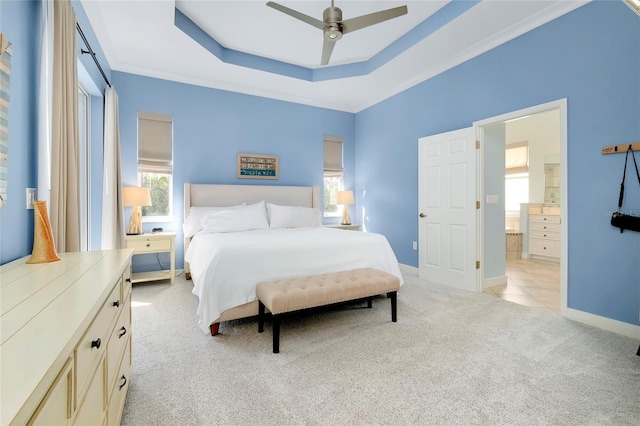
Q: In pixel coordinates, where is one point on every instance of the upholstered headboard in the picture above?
(212, 195)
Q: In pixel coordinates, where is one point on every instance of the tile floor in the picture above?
(531, 282)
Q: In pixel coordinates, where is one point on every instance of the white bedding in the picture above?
(225, 267)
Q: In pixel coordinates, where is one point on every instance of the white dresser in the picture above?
(66, 339)
(544, 236)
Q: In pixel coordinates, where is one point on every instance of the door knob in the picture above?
(423, 215)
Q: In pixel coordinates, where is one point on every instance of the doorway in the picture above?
(538, 277)
(489, 210)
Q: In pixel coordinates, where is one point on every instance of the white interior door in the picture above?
(448, 216)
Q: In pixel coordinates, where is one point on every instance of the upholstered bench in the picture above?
(295, 294)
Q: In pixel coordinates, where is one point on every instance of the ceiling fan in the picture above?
(334, 27)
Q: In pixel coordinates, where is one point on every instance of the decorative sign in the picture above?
(252, 166)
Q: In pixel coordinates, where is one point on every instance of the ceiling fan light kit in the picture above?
(334, 27)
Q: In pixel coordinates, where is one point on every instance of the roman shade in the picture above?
(333, 154)
(517, 158)
(155, 140)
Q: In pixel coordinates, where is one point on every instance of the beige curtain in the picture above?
(112, 208)
(65, 163)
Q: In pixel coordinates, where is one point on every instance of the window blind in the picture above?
(333, 154)
(155, 143)
(517, 158)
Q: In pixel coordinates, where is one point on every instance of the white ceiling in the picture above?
(140, 37)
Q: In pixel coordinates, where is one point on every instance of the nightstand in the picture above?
(352, 227)
(159, 242)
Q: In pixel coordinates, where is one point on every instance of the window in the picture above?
(155, 164)
(84, 154)
(333, 175)
(516, 191)
(516, 184)
(517, 158)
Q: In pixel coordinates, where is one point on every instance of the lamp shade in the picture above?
(136, 196)
(345, 197)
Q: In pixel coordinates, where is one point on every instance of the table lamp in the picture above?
(136, 197)
(345, 198)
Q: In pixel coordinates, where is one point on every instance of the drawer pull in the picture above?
(117, 302)
(96, 343)
(123, 383)
(123, 331)
(148, 244)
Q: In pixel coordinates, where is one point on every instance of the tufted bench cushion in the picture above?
(295, 294)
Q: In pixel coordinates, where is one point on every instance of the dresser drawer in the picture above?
(126, 283)
(119, 338)
(543, 226)
(149, 245)
(57, 407)
(545, 235)
(92, 409)
(545, 218)
(92, 345)
(544, 247)
(116, 402)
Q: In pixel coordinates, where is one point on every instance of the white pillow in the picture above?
(243, 218)
(293, 217)
(193, 223)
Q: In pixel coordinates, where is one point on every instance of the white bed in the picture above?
(226, 267)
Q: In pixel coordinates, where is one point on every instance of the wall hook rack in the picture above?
(614, 149)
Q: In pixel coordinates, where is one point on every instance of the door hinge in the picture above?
(477, 144)
(477, 264)
(477, 204)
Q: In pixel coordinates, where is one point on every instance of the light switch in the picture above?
(31, 198)
(492, 199)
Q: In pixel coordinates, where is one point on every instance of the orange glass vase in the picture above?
(44, 248)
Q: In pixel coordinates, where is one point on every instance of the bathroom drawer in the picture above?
(542, 218)
(545, 235)
(543, 226)
(544, 247)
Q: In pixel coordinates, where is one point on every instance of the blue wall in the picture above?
(19, 23)
(210, 127)
(590, 56)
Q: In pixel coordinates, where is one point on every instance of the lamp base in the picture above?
(135, 222)
(346, 219)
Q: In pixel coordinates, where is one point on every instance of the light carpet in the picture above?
(453, 358)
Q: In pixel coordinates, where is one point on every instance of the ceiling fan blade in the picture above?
(327, 48)
(371, 19)
(301, 16)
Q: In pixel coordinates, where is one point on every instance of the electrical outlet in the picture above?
(415, 245)
(31, 197)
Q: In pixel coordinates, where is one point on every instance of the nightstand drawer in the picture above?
(150, 245)
(158, 242)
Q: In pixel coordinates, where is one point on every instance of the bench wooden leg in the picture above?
(276, 334)
(394, 305)
(260, 317)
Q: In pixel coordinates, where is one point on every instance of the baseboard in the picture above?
(526, 255)
(604, 323)
(406, 269)
(493, 281)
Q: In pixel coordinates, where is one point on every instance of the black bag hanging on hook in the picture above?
(623, 220)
